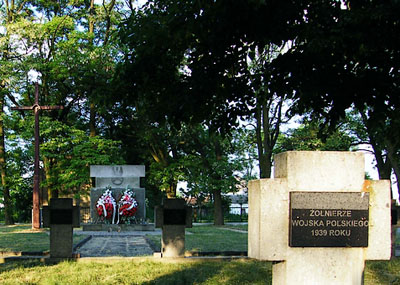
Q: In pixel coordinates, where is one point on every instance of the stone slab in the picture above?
(111, 171)
(321, 171)
(118, 228)
(121, 182)
(329, 200)
(107, 246)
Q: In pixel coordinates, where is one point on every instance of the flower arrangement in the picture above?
(106, 206)
(127, 205)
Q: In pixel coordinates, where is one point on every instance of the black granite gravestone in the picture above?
(173, 217)
(61, 217)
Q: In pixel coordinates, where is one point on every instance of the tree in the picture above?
(342, 60)
(70, 152)
(198, 53)
(212, 166)
(12, 15)
(270, 108)
(310, 136)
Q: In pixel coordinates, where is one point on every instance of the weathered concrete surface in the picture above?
(269, 201)
(115, 245)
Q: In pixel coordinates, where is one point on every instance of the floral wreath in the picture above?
(106, 206)
(127, 205)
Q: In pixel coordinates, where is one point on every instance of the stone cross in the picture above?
(61, 217)
(318, 220)
(36, 182)
(173, 217)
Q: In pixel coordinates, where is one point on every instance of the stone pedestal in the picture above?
(321, 259)
(173, 217)
(61, 216)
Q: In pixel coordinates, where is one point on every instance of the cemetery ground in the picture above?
(150, 270)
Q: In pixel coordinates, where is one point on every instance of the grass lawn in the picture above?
(24, 238)
(138, 272)
(148, 271)
(210, 238)
(156, 271)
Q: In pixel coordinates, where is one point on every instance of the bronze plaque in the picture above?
(329, 219)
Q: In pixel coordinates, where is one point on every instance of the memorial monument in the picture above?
(318, 220)
(117, 200)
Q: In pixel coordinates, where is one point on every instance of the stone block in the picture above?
(379, 247)
(321, 171)
(61, 241)
(268, 219)
(173, 241)
(111, 171)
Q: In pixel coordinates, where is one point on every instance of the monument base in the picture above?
(117, 228)
(333, 266)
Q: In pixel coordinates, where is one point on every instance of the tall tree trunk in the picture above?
(218, 211)
(395, 162)
(3, 166)
(92, 120)
(51, 191)
(92, 107)
(266, 138)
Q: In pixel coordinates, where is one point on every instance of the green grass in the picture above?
(147, 271)
(153, 271)
(210, 238)
(138, 272)
(24, 238)
(382, 272)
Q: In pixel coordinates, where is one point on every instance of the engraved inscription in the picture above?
(329, 227)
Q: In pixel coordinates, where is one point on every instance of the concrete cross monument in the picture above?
(318, 220)
(36, 107)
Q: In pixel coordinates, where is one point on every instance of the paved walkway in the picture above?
(106, 244)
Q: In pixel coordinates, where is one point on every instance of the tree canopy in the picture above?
(171, 83)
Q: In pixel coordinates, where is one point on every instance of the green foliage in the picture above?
(71, 152)
(212, 164)
(311, 136)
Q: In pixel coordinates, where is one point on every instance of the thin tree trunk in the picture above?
(51, 191)
(395, 162)
(218, 211)
(92, 107)
(8, 217)
(92, 120)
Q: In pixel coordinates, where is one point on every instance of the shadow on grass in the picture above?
(9, 266)
(383, 272)
(219, 272)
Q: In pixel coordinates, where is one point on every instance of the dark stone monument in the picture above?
(61, 217)
(173, 217)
